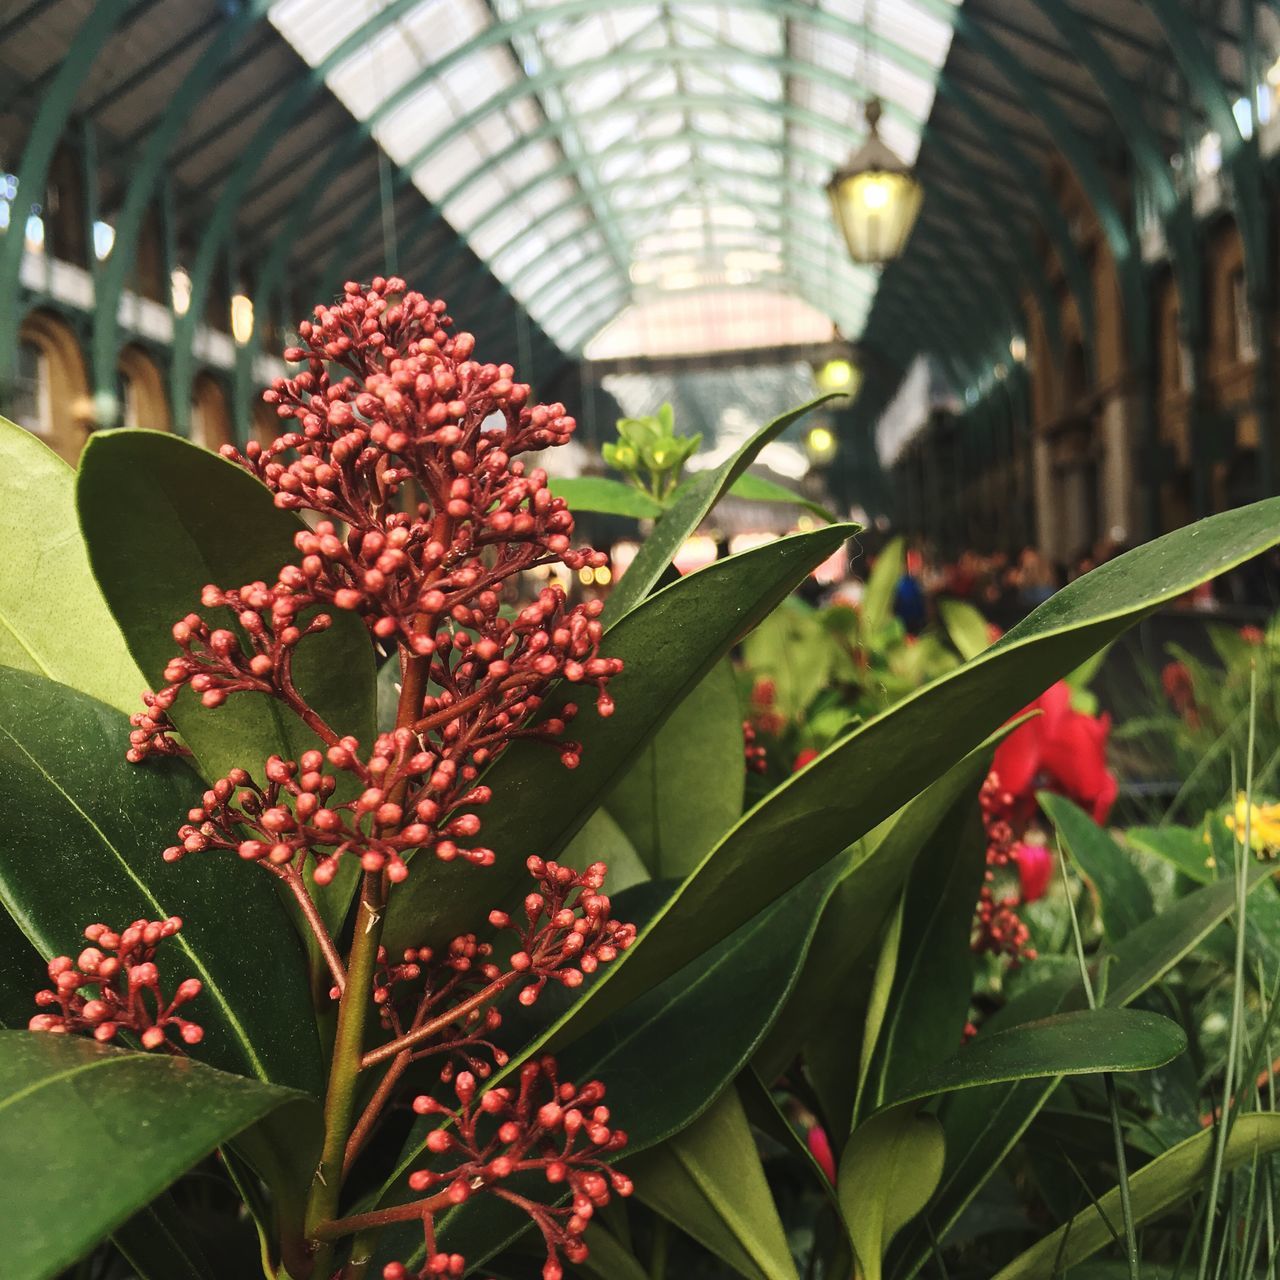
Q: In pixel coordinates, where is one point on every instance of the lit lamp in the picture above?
(875, 198)
(821, 443)
(838, 375)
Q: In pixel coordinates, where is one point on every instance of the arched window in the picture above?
(31, 402)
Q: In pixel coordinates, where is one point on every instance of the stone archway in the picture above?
(143, 402)
(210, 414)
(60, 397)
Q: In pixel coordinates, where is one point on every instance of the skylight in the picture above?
(598, 157)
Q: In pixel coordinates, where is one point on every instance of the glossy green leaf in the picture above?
(872, 771)
(878, 998)
(755, 488)
(1081, 1042)
(53, 620)
(685, 788)
(829, 1004)
(159, 1245)
(1122, 890)
(162, 518)
(23, 970)
(709, 1181)
(668, 646)
(608, 1260)
(689, 508)
(929, 1003)
(112, 1129)
(888, 1171)
(607, 496)
(966, 628)
(81, 833)
(602, 840)
(982, 1125)
(1184, 848)
(791, 649)
(882, 582)
(1180, 1172)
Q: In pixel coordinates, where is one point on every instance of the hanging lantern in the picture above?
(875, 198)
(840, 375)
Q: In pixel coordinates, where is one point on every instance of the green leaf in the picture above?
(1168, 1179)
(602, 840)
(793, 649)
(982, 1125)
(872, 771)
(754, 488)
(965, 626)
(1184, 848)
(830, 999)
(162, 518)
(81, 833)
(1082, 1042)
(688, 509)
(1121, 888)
(929, 1003)
(608, 1260)
(709, 1181)
(685, 789)
(878, 998)
(113, 1129)
(877, 599)
(668, 646)
(53, 620)
(887, 1174)
(609, 497)
(159, 1245)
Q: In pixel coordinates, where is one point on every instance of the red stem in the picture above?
(436, 1025)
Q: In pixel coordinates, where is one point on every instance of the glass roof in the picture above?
(600, 156)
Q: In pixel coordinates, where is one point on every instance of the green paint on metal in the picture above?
(33, 169)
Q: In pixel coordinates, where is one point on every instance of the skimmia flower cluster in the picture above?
(408, 452)
(120, 971)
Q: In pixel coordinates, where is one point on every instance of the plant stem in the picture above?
(353, 1010)
(373, 1109)
(340, 1098)
(428, 1029)
(415, 1211)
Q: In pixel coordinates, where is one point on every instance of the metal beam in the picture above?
(144, 176)
(33, 170)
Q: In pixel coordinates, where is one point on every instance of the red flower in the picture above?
(1252, 635)
(820, 1149)
(805, 757)
(1035, 870)
(1059, 750)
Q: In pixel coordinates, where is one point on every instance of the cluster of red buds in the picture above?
(757, 758)
(569, 932)
(997, 927)
(296, 814)
(406, 448)
(566, 934)
(120, 970)
(547, 1126)
(764, 713)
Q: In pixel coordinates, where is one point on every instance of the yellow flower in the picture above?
(1262, 824)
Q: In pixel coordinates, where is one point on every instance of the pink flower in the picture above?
(820, 1149)
(1035, 870)
(1060, 750)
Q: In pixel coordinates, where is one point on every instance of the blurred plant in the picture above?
(650, 454)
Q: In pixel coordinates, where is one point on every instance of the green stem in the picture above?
(353, 1010)
(340, 1099)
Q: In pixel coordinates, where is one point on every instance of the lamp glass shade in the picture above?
(875, 210)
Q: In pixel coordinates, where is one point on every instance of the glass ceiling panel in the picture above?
(634, 152)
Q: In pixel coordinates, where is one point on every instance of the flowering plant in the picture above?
(378, 972)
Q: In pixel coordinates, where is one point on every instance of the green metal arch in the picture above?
(33, 169)
(143, 179)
